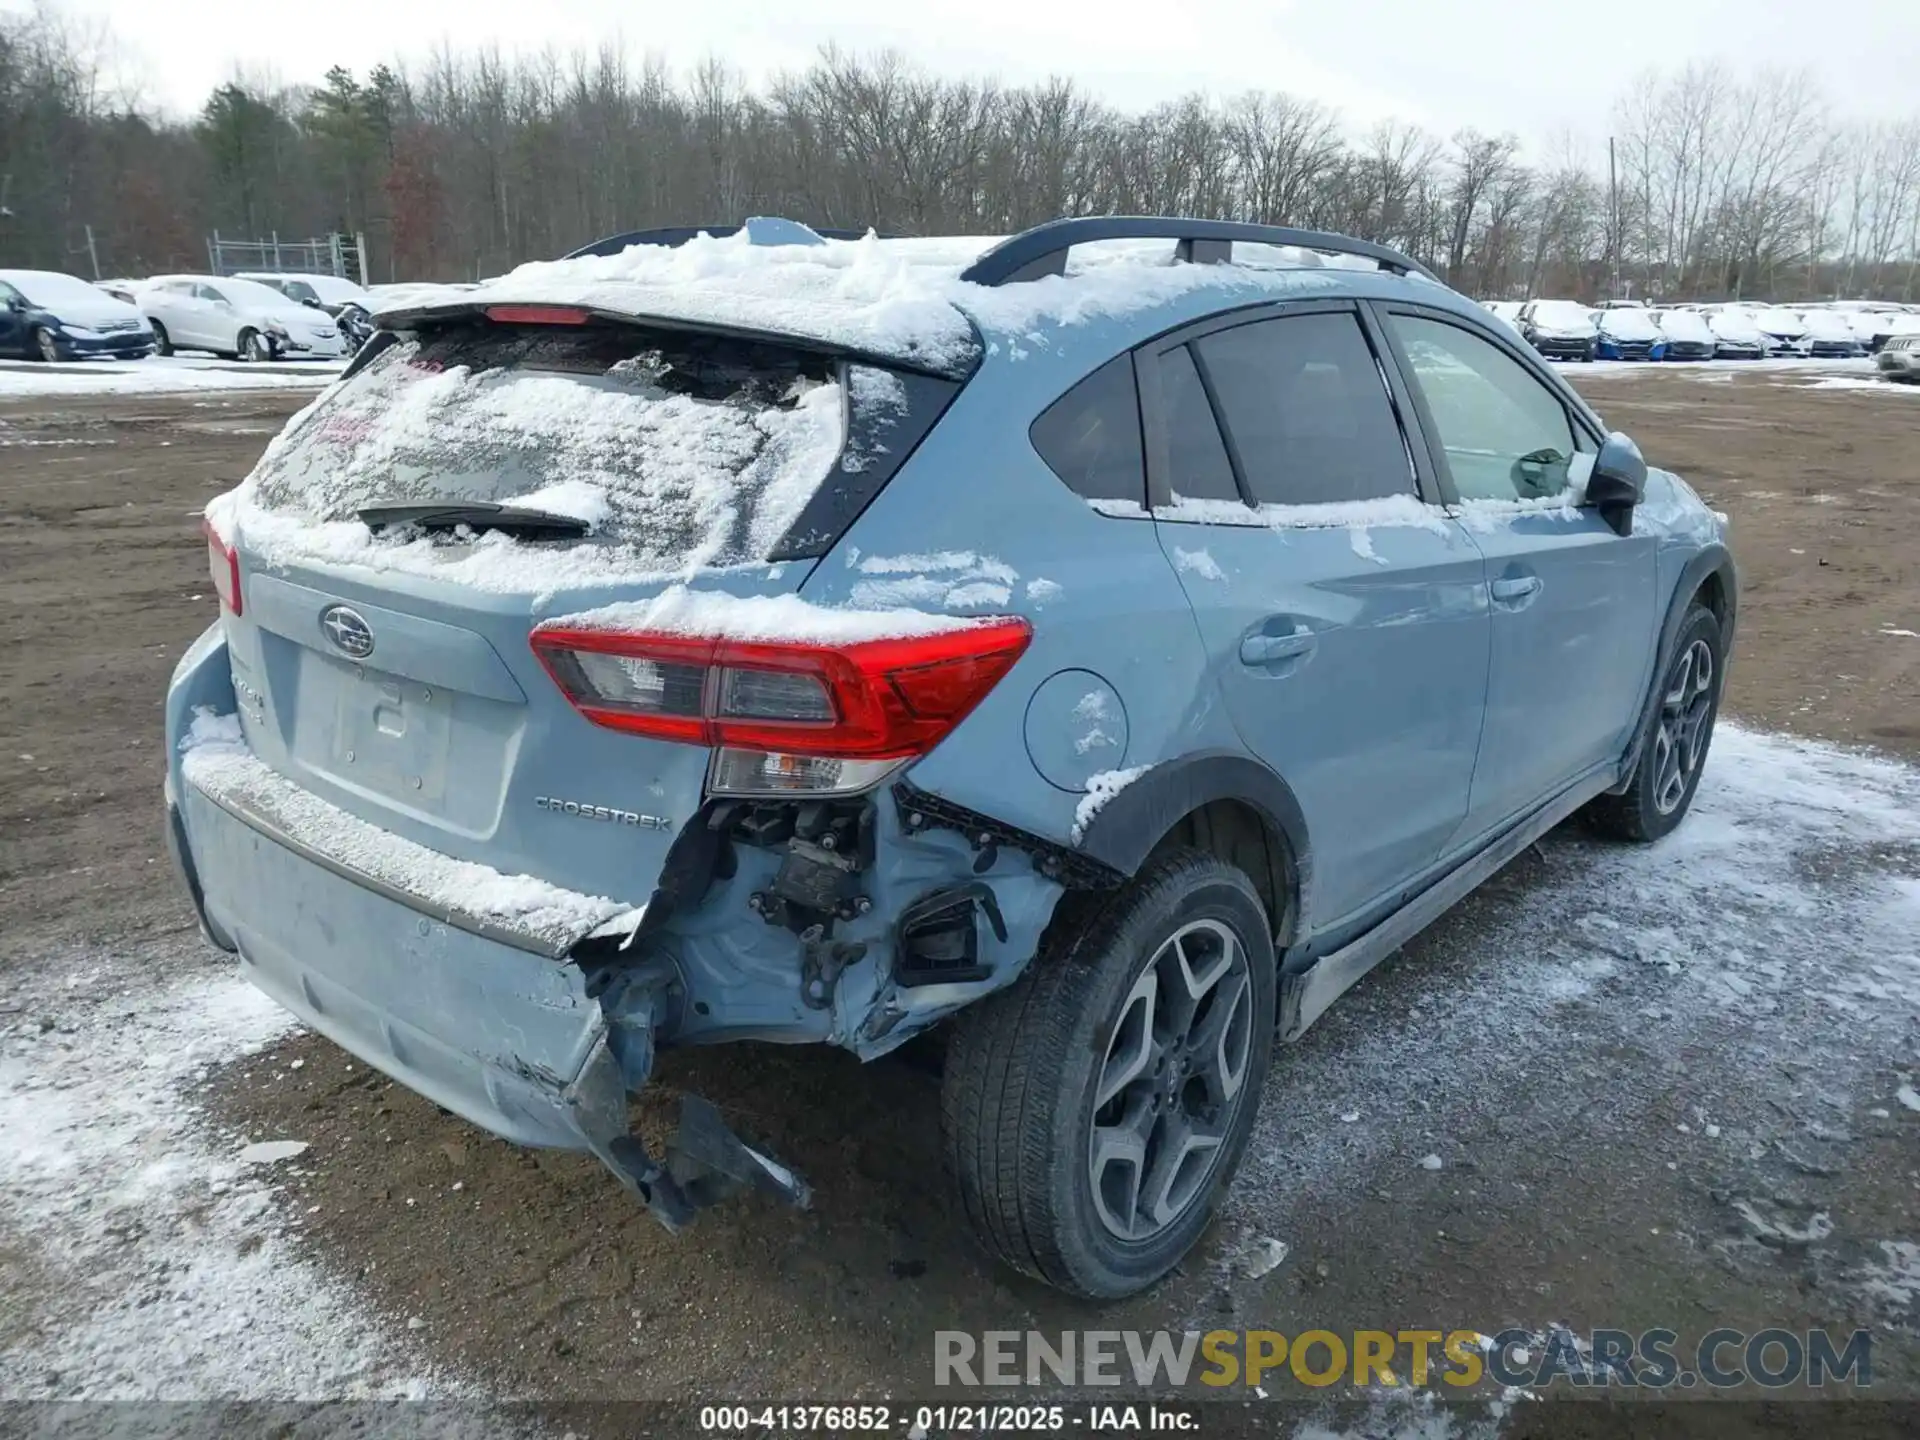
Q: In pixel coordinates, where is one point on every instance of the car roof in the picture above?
(910, 301)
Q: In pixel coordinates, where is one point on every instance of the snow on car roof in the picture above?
(897, 299)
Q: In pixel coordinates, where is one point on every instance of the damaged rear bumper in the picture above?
(479, 1012)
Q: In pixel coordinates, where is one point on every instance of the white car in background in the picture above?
(1829, 335)
(1786, 332)
(1736, 336)
(350, 305)
(1507, 312)
(1873, 328)
(240, 318)
(1689, 334)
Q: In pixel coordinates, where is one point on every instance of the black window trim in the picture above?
(1400, 399)
(1580, 417)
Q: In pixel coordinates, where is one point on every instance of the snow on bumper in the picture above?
(465, 1005)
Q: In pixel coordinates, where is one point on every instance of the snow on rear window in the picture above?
(678, 452)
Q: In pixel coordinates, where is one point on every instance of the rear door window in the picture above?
(1197, 463)
(689, 450)
(1090, 436)
(1306, 410)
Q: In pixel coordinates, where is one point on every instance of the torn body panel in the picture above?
(771, 919)
(794, 921)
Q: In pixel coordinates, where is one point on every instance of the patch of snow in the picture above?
(1431, 1162)
(966, 561)
(158, 375)
(1908, 1097)
(172, 1270)
(1362, 544)
(1197, 562)
(1388, 511)
(1118, 509)
(1092, 706)
(681, 611)
(1892, 1284)
(1775, 921)
(954, 579)
(1093, 739)
(1891, 630)
(578, 499)
(1262, 1256)
(1101, 788)
(228, 771)
(1042, 590)
(268, 1152)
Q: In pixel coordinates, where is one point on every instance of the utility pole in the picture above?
(1613, 222)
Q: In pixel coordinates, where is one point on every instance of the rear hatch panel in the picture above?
(391, 674)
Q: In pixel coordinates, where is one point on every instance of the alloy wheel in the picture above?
(1680, 737)
(49, 347)
(1172, 1082)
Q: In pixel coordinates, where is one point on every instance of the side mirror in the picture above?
(1618, 481)
(311, 303)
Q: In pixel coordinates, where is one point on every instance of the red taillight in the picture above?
(871, 699)
(538, 315)
(223, 564)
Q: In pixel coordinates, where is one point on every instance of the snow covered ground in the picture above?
(1776, 930)
(159, 375)
(164, 1256)
(1601, 368)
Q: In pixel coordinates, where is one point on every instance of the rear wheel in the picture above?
(1668, 773)
(45, 345)
(1096, 1110)
(161, 344)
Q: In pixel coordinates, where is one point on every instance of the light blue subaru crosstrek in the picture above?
(1108, 643)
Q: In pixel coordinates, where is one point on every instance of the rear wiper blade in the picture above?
(477, 515)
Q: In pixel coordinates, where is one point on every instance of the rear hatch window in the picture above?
(677, 450)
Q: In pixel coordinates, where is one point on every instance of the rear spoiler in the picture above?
(474, 307)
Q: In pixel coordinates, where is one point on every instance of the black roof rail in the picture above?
(1043, 250)
(674, 235)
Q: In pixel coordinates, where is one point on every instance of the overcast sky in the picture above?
(1536, 67)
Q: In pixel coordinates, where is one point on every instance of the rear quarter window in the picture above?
(1090, 436)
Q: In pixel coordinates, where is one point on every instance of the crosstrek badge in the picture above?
(603, 812)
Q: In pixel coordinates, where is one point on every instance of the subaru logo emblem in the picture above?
(350, 634)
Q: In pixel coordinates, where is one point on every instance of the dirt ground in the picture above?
(531, 1272)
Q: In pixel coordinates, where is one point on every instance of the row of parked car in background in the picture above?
(1621, 330)
(45, 315)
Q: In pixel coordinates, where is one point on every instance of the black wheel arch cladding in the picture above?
(1133, 823)
(1710, 572)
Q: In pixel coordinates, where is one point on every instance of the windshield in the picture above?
(1561, 315)
(1825, 322)
(252, 294)
(687, 450)
(50, 289)
(1779, 322)
(1629, 325)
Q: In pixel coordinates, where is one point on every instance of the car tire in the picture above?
(161, 344)
(1020, 1102)
(46, 345)
(253, 347)
(1668, 772)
